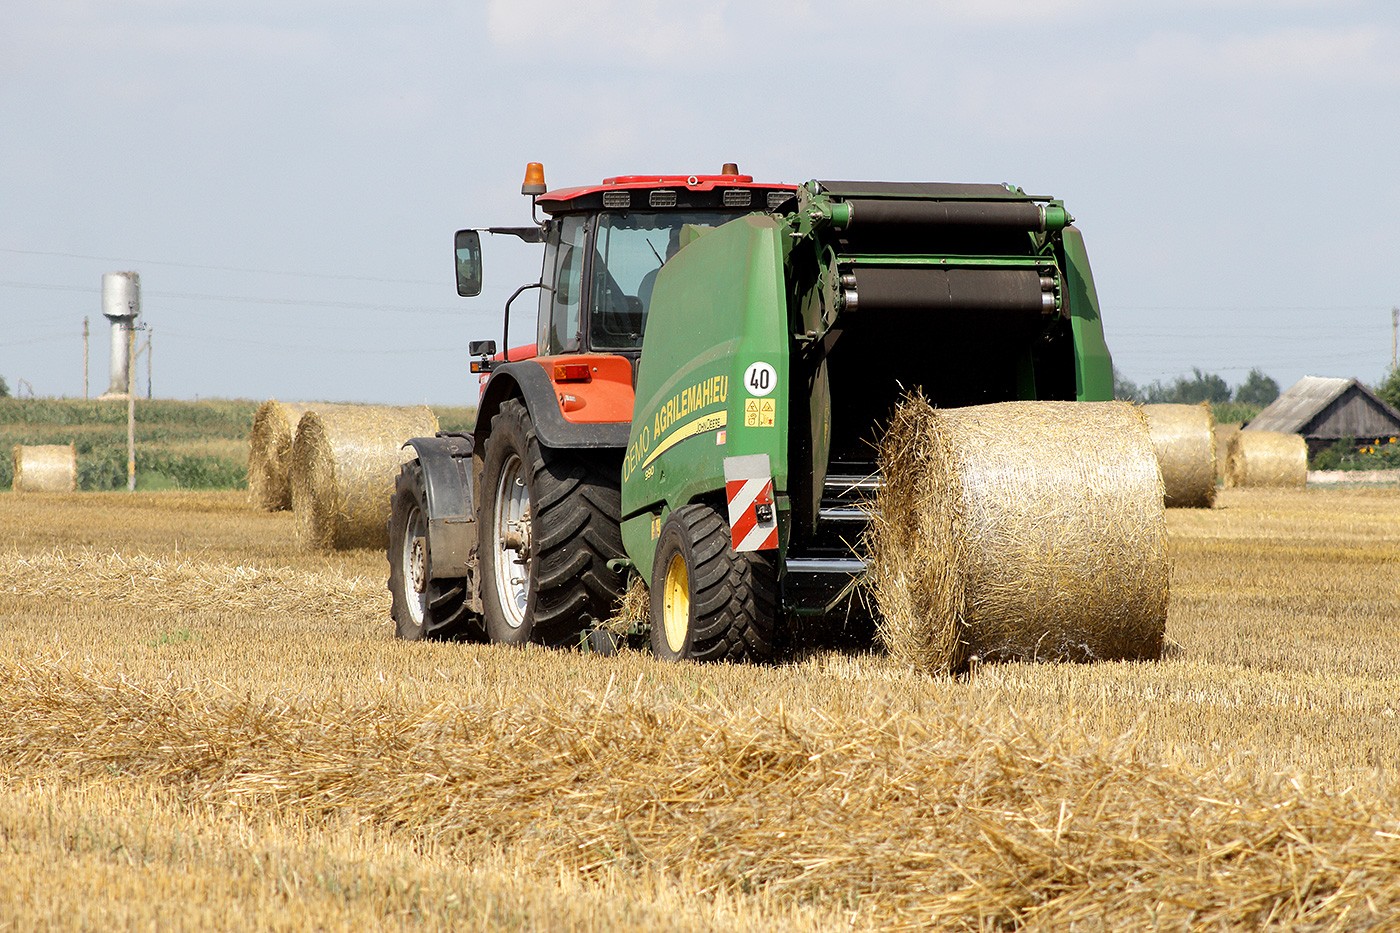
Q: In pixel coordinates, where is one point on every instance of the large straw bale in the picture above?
(270, 450)
(1183, 437)
(1224, 433)
(45, 468)
(1267, 458)
(270, 454)
(1022, 530)
(344, 462)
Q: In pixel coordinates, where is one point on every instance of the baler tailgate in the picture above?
(959, 291)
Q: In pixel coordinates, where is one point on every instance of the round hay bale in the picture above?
(45, 468)
(344, 461)
(1021, 530)
(1183, 437)
(1224, 433)
(270, 454)
(1267, 458)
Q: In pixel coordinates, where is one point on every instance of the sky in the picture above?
(286, 176)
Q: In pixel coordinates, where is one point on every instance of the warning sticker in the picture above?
(748, 489)
(760, 412)
(760, 379)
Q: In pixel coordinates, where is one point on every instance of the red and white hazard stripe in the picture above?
(748, 488)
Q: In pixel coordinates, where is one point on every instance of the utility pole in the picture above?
(85, 358)
(131, 412)
(1394, 331)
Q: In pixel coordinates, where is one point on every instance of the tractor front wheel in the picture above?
(708, 601)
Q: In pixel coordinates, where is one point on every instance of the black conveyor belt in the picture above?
(936, 289)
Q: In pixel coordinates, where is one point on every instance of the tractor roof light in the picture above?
(534, 180)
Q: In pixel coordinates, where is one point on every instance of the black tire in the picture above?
(708, 601)
(421, 608)
(555, 583)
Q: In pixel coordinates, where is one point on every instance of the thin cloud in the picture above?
(626, 33)
(1327, 55)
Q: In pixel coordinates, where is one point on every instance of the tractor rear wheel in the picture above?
(421, 608)
(549, 525)
(708, 601)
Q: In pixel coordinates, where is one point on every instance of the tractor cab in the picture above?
(603, 247)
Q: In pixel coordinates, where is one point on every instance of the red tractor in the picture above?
(512, 533)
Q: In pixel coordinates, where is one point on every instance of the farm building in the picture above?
(1325, 410)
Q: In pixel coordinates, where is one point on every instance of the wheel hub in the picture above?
(418, 564)
(517, 538)
(511, 538)
(675, 603)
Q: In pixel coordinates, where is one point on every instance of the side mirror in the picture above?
(468, 243)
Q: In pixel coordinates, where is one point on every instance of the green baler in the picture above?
(712, 363)
(775, 347)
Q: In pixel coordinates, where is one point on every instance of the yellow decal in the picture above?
(655, 527)
(693, 398)
(703, 394)
(702, 425)
(760, 412)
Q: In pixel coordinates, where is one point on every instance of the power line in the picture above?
(33, 340)
(310, 348)
(192, 265)
(251, 300)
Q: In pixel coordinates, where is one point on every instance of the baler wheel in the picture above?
(549, 525)
(422, 608)
(708, 601)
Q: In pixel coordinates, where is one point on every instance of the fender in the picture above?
(447, 486)
(528, 381)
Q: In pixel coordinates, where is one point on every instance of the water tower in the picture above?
(121, 303)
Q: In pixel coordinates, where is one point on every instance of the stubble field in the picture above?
(205, 727)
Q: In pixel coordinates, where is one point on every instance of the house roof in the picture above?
(1300, 409)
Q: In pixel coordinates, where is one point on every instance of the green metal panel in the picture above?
(1092, 363)
(718, 308)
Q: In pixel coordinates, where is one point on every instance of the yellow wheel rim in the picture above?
(675, 603)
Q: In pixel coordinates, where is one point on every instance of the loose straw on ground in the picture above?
(344, 462)
(1267, 458)
(1183, 437)
(944, 820)
(633, 610)
(1023, 530)
(45, 468)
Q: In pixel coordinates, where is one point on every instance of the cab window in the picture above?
(561, 300)
(630, 250)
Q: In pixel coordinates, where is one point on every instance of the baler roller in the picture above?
(922, 288)
(862, 214)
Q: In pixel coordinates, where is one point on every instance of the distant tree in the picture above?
(1124, 389)
(1187, 390)
(1257, 389)
(1389, 389)
(4, 388)
(1201, 387)
(1157, 392)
